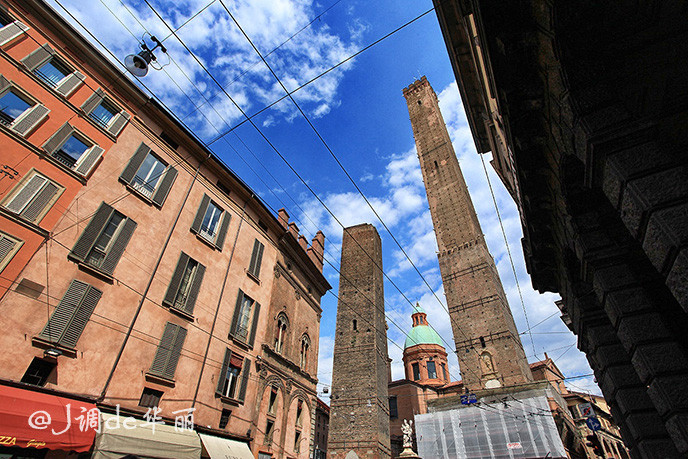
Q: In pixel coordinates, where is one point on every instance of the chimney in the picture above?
(317, 249)
(283, 218)
(294, 230)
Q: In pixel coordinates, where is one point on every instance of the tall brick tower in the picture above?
(487, 343)
(359, 407)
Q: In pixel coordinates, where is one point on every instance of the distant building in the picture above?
(322, 423)
(141, 278)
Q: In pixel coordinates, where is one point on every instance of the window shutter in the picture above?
(175, 353)
(26, 194)
(70, 84)
(118, 245)
(237, 309)
(118, 123)
(81, 316)
(256, 258)
(7, 245)
(195, 287)
(88, 160)
(88, 237)
(223, 372)
(64, 312)
(57, 139)
(34, 210)
(196, 226)
(29, 120)
(12, 31)
(41, 55)
(4, 82)
(254, 326)
(176, 280)
(220, 240)
(164, 186)
(134, 163)
(164, 350)
(244, 379)
(93, 101)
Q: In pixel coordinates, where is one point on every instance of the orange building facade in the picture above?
(146, 279)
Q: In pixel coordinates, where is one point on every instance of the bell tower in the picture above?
(487, 342)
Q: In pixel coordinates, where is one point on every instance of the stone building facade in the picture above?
(162, 283)
(359, 407)
(583, 107)
(487, 342)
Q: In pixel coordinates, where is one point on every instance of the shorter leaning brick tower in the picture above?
(359, 407)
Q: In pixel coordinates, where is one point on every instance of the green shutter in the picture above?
(70, 84)
(235, 318)
(222, 233)
(57, 139)
(37, 58)
(81, 317)
(26, 123)
(134, 163)
(254, 325)
(91, 232)
(88, 160)
(162, 354)
(29, 189)
(244, 379)
(196, 226)
(256, 258)
(93, 101)
(117, 246)
(223, 372)
(176, 280)
(164, 186)
(118, 123)
(195, 287)
(175, 352)
(33, 211)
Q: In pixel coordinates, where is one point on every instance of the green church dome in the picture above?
(422, 334)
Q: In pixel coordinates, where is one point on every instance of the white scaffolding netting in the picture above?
(522, 428)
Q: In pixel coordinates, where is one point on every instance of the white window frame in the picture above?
(20, 187)
(18, 243)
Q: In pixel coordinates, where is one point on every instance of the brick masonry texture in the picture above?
(359, 410)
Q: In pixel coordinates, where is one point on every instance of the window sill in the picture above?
(23, 222)
(92, 270)
(229, 400)
(241, 343)
(163, 381)
(204, 240)
(48, 157)
(253, 277)
(138, 194)
(182, 314)
(45, 344)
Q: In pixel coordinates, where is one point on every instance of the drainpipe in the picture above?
(150, 282)
(219, 301)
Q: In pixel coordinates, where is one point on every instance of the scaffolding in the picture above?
(520, 427)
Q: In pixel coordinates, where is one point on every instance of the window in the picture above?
(393, 410)
(149, 175)
(269, 428)
(211, 222)
(299, 412)
(354, 324)
(33, 197)
(282, 323)
(185, 284)
(19, 111)
(272, 401)
(10, 28)
(168, 352)
(224, 418)
(482, 341)
(416, 371)
(150, 398)
(102, 243)
(38, 372)
(305, 345)
(243, 328)
(297, 441)
(233, 376)
(105, 112)
(9, 246)
(444, 371)
(264, 456)
(53, 70)
(71, 315)
(432, 370)
(73, 150)
(256, 259)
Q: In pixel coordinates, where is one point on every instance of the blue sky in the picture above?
(360, 112)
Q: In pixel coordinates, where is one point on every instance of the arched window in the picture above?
(305, 345)
(281, 332)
